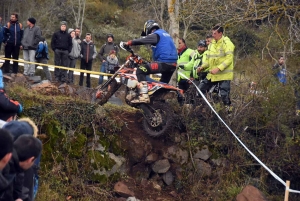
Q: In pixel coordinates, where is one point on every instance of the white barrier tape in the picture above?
(270, 171)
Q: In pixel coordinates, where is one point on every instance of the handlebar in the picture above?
(126, 47)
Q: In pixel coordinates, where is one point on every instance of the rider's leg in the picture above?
(141, 73)
(166, 71)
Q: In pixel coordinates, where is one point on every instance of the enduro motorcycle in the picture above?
(158, 115)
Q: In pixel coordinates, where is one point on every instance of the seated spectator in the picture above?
(27, 172)
(111, 62)
(8, 108)
(280, 68)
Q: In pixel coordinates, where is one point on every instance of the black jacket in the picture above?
(88, 51)
(13, 178)
(61, 40)
(8, 107)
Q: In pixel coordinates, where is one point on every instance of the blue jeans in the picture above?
(102, 70)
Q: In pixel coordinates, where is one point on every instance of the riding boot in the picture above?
(143, 90)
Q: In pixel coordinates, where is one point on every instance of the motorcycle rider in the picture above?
(164, 55)
(219, 65)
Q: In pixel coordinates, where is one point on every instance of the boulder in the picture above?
(203, 154)
(250, 193)
(151, 158)
(161, 166)
(121, 189)
(168, 178)
(203, 167)
(177, 155)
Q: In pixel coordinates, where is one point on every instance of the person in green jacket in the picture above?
(219, 64)
(185, 55)
(196, 61)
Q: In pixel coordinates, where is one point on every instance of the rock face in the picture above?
(250, 193)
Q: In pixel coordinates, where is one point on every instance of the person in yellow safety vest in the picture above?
(185, 54)
(197, 59)
(219, 64)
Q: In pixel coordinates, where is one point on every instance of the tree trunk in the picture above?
(173, 9)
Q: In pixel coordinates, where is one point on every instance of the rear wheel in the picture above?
(160, 121)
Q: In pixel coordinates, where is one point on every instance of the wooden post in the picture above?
(286, 196)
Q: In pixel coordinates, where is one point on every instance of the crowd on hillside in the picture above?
(67, 45)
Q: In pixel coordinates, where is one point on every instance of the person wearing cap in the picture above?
(185, 55)
(61, 44)
(219, 65)
(25, 159)
(196, 61)
(73, 55)
(104, 52)
(29, 43)
(8, 108)
(12, 36)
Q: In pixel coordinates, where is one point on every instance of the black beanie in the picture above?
(31, 20)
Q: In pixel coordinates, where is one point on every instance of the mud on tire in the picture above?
(160, 122)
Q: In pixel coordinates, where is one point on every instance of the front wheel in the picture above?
(159, 121)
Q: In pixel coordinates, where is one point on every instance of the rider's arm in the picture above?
(152, 39)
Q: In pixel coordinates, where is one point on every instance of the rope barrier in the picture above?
(61, 67)
(253, 155)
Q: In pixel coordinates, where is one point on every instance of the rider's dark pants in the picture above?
(166, 70)
(224, 87)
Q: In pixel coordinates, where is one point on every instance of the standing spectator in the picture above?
(29, 43)
(73, 55)
(42, 56)
(77, 35)
(208, 39)
(8, 107)
(111, 62)
(12, 36)
(220, 66)
(280, 68)
(1, 33)
(61, 44)
(88, 53)
(104, 51)
(185, 55)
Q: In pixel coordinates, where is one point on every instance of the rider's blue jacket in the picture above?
(165, 50)
(163, 47)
